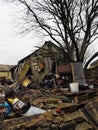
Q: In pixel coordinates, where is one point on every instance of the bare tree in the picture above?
(94, 56)
(72, 24)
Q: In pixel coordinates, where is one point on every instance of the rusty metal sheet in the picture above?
(64, 69)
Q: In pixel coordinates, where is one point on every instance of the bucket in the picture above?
(74, 87)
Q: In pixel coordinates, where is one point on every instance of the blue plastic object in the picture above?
(7, 108)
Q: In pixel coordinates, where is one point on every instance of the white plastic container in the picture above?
(74, 87)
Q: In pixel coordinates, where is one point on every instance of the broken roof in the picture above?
(47, 43)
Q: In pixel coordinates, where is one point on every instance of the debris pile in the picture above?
(48, 106)
(46, 95)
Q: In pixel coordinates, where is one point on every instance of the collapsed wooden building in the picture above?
(42, 79)
(45, 60)
(40, 63)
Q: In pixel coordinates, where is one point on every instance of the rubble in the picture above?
(40, 98)
(50, 120)
(61, 111)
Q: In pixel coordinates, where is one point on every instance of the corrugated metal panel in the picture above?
(78, 73)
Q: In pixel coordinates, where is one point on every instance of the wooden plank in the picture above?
(1, 125)
(24, 70)
(92, 109)
(1, 117)
(76, 100)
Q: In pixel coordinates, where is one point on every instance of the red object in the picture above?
(58, 110)
(64, 69)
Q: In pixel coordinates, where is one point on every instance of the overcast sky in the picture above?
(12, 47)
(15, 47)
